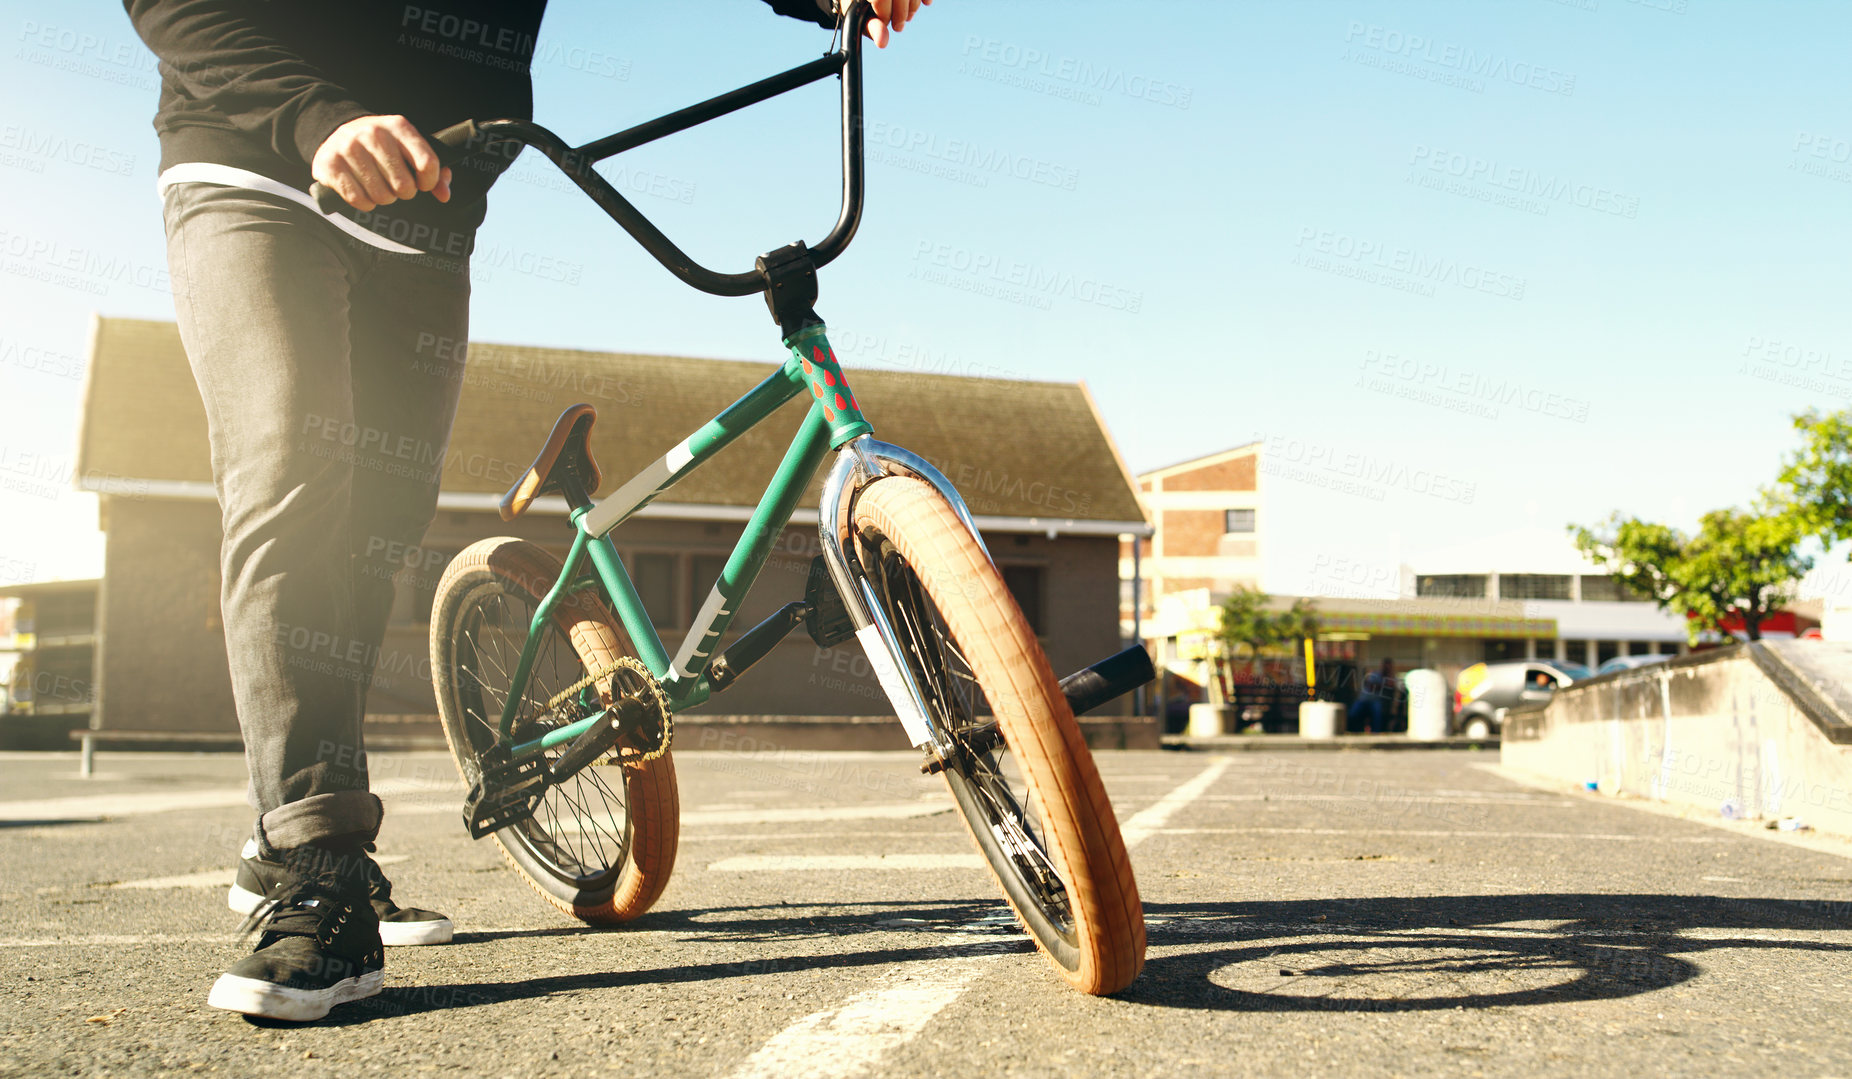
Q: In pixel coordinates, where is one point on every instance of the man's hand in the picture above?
(890, 15)
(377, 160)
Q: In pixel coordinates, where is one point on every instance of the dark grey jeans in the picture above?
(330, 372)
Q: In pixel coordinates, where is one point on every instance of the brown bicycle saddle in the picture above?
(568, 450)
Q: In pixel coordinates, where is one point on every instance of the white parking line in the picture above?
(98, 807)
(751, 863)
(219, 878)
(1392, 833)
(1149, 820)
(211, 878)
(227, 936)
(812, 814)
(852, 1038)
(1400, 797)
(92, 807)
(931, 807)
(781, 836)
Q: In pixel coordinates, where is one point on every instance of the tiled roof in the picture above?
(1014, 449)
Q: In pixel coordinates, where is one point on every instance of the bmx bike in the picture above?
(557, 696)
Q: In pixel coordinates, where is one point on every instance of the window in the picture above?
(1600, 588)
(1606, 650)
(1025, 584)
(65, 614)
(1533, 586)
(1237, 520)
(704, 571)
(1503, 651)
(654, 576)
(1451, 586)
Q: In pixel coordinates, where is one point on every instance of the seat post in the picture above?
(573, 490)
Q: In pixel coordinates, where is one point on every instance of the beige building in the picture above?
(1514, 595)
(47, 662)
(1034, 460)
(1206, 531)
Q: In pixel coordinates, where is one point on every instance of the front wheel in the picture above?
(600, 845)
(1020, 771)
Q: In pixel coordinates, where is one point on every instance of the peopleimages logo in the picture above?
(983, 161)
(1493, 174)
(1461, 59)
(1065, 76)
(1018, 281)
(1326, 249)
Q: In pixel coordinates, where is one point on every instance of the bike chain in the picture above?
(646, 687)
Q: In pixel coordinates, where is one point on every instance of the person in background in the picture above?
(1374, 701)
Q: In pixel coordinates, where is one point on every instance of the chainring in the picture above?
(628, 678)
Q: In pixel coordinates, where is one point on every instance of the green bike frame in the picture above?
(834, 419)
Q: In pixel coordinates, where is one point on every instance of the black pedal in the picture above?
(505, 794)
(828, 621)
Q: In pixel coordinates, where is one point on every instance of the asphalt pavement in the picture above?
(1310, 914)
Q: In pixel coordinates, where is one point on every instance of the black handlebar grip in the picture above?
(451, 144)
(327, 199)
(1117, 674)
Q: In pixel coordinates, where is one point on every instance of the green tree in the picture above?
(1738, 564)
(1817, 479)
(1247, 619)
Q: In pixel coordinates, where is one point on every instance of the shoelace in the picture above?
(286, 915)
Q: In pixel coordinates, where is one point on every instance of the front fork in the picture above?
(861, 461)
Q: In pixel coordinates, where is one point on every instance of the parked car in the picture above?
(1628, 663)
(1484, 691)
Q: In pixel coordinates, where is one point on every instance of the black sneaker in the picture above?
(398, 926)
(319, 945)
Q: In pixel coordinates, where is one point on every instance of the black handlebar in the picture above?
(470, 137)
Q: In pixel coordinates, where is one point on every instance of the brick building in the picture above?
(1206, 530)
(1034, 460)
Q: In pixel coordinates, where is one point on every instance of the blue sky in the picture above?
(1468, 268)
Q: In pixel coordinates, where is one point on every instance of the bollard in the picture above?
(1320, 719)
(1430, 706)
(1212, 720)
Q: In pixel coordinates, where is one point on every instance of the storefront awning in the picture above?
(1434, 625)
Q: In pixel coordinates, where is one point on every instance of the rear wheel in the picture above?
(601, 845)
(1020, 771)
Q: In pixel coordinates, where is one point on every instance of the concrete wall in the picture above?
(1757, 728)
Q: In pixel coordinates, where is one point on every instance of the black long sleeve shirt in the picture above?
(260, 86)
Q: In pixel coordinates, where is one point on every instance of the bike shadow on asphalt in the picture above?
(1435, 953)
(1389, 953)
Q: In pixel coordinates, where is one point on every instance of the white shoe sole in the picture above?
(391, 934)
(270, 1001)
(411, 934)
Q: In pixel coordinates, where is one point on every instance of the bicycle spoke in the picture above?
(955, 696)
(579, 827)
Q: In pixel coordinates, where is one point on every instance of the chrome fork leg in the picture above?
(860, 462)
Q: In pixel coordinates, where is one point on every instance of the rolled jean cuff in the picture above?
(320, 817)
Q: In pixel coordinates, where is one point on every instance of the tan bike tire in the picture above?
(503, 579)
(913, 545)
